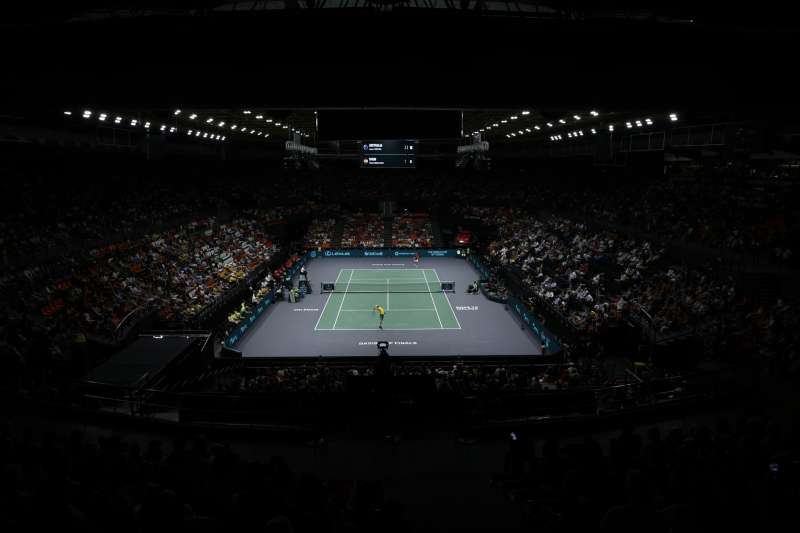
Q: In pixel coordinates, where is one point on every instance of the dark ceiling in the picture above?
(196, 55)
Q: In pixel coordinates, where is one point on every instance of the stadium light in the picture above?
(197, 133)
(562, 121)
(221, 123)
(513, 117)
(259, 134)
(638, 123)
(259, 117)
(87, 114)
(209, 120)
(147, 124)
(246, 111)
(134, 122)
(610, 127)
(593, 113)
(629, 125)
(580, 132)
(576, 117)
(270, 120)
(252, 132)
(549, 124)
(504, 121)
(205, 135)
(508, 136)
(117, 119)
(537, 128)
(193, 116)
(277, 123)
(488, 127)
(163, 127)
(102, 117)
(234, 126)
(648, 122)
(267, 135)
(526, 112)
(173, 129)
(528, 130)
(569, 134)
(223, 137)
(68, 113)
(189, 132)
(594, 132)
(285, 126)
(513, 134)
(177, 112)
(496, 125)
(673, 117)
(520, 132)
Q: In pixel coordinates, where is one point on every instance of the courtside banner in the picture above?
(382, 252)
(549, 343)
(238, 333)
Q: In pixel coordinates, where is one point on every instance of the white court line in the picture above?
(328, 300)
(448, 300)
(343, 299)
(387, 294)
(434, 304)
(390, 329)
(393, 310)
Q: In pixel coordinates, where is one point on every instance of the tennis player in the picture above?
(381, 312)
(416, 260)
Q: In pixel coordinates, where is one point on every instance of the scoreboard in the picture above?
(388, 154)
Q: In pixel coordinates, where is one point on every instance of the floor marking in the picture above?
(448, 300)
(389, 329)
(343, 299)
(434, 304)
(393, 310)
(326, 302)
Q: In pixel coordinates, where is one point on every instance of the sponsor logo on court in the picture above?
(338, 253)
(387, 264)
(399, 343)
(306, 309)
(369, 253)
(466, 308)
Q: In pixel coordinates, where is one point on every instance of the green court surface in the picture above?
(354, 311)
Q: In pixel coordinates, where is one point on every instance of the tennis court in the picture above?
(412, 298)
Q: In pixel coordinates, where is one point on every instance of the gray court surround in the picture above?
(487, 328)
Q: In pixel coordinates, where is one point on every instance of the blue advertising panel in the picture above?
(383, 252)
(549, 342)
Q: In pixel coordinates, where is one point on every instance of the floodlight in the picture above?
(514, 117)
(193, 116)
(177, 112)
(209, 120)
(520, 132)
(549, 124)
(134, 122)
(580, 132)
(189, 132)
(610, 127)
(246, 111)
(87, 114)
(593, 113)
(223, 137)
(163, 127)
(562, 121)
(537, 128)
(576, 117)
(68, 113)
(504, 121)
(205, 135)
(234, 126)
(526, 112)
(638, 123)
(648, 122)
(197, 134)
(172, 129)
(147, 124)
(528, 130)
(102, 117)
(629, 125)
(259, 117)
(594, 131)
(277, 123)
(285, 126)
(496, 125)
(221, 123)
(673, 117)
(270, 120)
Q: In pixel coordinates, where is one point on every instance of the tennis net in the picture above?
(391, 286)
